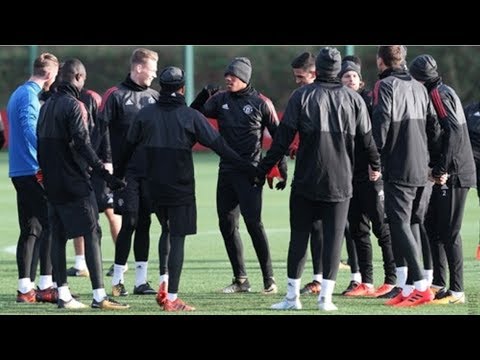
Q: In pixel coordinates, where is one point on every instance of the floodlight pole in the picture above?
(349, 49)
(32, 55)
(189, 75)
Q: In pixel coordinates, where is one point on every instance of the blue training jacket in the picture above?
(23, 109)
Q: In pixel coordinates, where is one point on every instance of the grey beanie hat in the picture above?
(241, 68)
(423, 68)
(350, 66)
(171, 77)
(328, 62)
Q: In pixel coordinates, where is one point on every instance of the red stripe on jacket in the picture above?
(438, 104)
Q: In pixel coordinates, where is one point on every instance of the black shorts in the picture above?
(103, 194)
(76, 218)
(180, 220)
(31, 201)
(133, 197)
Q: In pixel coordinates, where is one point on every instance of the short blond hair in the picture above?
(44, 61)
(141, 55)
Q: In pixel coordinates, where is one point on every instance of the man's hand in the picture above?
(39, 176)
(282, 182)
(275, 172)
(373, 175)
(211, 89)
(113, 182)
(109, 167)
(293, 148)
(441, 180)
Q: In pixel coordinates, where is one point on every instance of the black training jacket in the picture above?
(242, 118)
(362, 157)
(168, 130)
(120, 105)
(472, 113)
(456, 156)
(328, 117)
(64, 149)
(402, 119)
(99, 136)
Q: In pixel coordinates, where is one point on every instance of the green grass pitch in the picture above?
(207, 269)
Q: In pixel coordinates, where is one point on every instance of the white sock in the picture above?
(402, 273)
(54, 284)
(293, 288)
(99, 294)
(80, 263)
(318, 277)
(436, 287)
(172, 297)
(64, 293)
(45, 282)
(428, 274)
(118, 271)
(457, 294)
(327, 290)
(140, 272)
(407, 290)
(421, 285)
(25, 285)
(356, 277)
(370, 286)
(163, 278)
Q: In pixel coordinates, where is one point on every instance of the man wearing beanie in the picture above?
(242, 114)
(366, 205)
(402, 120)
(168, 130)
(456, 165)
(329, 117)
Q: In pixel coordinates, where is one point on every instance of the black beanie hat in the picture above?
(347, 66)
(423, 68)
(241, 68)
(328, 62)
(171, 78)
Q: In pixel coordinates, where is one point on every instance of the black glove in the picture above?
(282, 168)
(211, 89)
(113, 182)
(203, 96)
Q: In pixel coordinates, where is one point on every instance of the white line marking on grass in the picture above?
(268, 231)
(10, 249)
(13, 249)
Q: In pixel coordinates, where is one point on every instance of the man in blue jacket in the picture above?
(22, 110)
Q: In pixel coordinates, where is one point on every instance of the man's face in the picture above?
(233, 83)
(303, 77)
(147, 72)
(380, 64)
(52, 72)
(351, 79)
